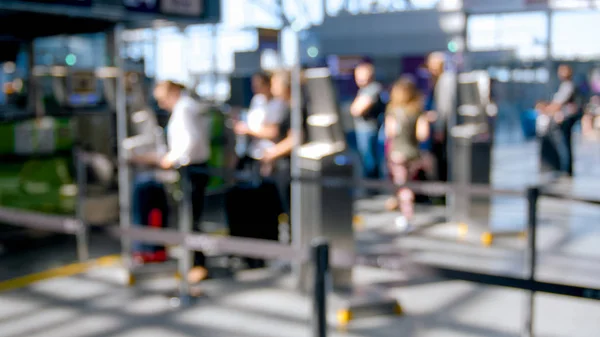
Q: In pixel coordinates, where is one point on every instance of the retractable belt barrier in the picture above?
(428, 188)
(216, 244)
(42, 221)
(337, 258)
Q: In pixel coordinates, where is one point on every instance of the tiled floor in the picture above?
(92, 305)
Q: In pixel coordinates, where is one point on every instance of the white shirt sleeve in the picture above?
(564, 93)
(184, 133)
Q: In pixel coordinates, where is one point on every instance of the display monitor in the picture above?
(83, 88)
(473, 96)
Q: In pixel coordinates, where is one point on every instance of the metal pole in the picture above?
(124, 169)
(296, 172)
(83, 251)
(215, 60)
(532, 199)
(185, 227)
(548, 62)
(320, 259)
(33, 81)
(467, 181)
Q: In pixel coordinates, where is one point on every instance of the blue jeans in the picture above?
(367, 146)
(381, 159)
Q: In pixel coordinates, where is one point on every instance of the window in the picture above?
(481, 33)
(573, 4)
(523, 33)
(573, 33)
(170, 58)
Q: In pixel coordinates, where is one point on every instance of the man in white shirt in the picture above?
(188, 139)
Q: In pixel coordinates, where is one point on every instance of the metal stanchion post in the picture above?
(532, 200)
(185, 227)
(320, 258)
(83, 251)
(295, 171)
(467, 181)
(124, 169)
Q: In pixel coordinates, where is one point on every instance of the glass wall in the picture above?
(205, 55)
(523, 33)
(575, 35)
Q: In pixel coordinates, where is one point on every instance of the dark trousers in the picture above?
(567, 131)
(280, 176)
(194, 182)
(557, 147)
(439, 151)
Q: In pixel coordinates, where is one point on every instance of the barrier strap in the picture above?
(42, 221)
(273, 250)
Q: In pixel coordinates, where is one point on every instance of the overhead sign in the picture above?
(344, 64)
(63, 2)
(182, 7)
(536, 2)
(150, 6)
(192, 8)
(268, 39)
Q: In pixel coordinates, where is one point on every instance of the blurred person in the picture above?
(277, 158)
(441, 105)
(590, 122)
(262, 126)
(405, 127)
(564, 111)
(366, 109)
(188, 139)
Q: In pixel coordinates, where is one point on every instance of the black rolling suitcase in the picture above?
(252, 211)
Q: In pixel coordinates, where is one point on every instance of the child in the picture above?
(406, 126)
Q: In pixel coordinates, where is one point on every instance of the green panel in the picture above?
(28, 137)
(36, 185)
(65, 134)
(7, 138)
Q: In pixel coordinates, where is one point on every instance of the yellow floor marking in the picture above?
(64, 271)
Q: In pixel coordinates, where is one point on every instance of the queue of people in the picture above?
(414, 125)
(413, 122)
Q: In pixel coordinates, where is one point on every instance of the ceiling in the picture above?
(17, 27)
(29, 25)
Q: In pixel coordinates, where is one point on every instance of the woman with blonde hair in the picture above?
(405, 127)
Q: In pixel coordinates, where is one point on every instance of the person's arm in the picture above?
(363, 102)
(565, 91)
(422, 128)
(267, 131)
(361, 105)
(275, 113)
(390, 126)
(150, 159)
(281, 149)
